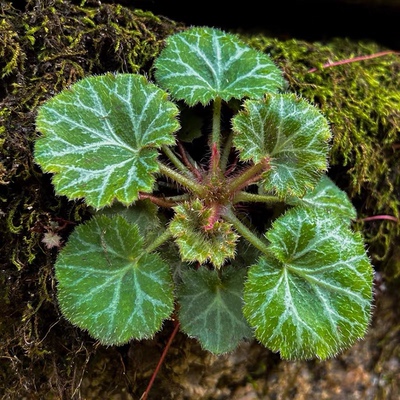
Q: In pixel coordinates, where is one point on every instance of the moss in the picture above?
(51, 44)
(362, 102)
(43, 49)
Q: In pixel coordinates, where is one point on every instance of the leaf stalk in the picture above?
(181, 179)
(257, 242)
(166, 235)
(251, 175)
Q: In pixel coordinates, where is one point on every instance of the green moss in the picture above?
(44, 49)
(361, 100)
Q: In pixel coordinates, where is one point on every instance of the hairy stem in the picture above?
(161, 202)
(214, 142)
(251, 237)
(166, 235)
(226, 151)
(181, 179)
(255, 198)
(250, 175)
(216, 127)
(189, 163)
(175, 160)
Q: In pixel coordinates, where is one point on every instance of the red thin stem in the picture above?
(156, 200)
(214, 160)
(380, 217)
(160, 361)
(232, 167)
(186, 161)
(354, 59)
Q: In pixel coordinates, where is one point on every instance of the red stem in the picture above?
(156, 200)
(186, 161)
(354, 59)
(379, 217)
(160, 361)
(232, 167)
(214, 159)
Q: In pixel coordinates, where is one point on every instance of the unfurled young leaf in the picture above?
(199, 242)
(201, 64)
(101, 137)
(109, 285)
(289, 133)
(211, 308)
(327, 196)
(311, 297)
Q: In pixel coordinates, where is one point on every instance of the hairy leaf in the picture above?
(201, 64)
(291, 135)
(100, 138)
(143, 213)
(326, 195)
(312, 296)
(109, 285)
(196, 242)
(211, 308)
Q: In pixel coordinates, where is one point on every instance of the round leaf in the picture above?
(326, 195)
(109, 286)
(311, 297)
(288, 132)
(100, 137)
(201, 64)
(211, 308)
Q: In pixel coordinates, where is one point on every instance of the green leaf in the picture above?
(108, 284)
(199, 65)
(211, 308)
(291, 135)
(143, 213)
(326, 195)
(100, 137)
(196, 242)
(312, 296)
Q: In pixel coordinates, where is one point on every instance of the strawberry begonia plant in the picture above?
(211, 202)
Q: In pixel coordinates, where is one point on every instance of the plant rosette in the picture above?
(167, 233)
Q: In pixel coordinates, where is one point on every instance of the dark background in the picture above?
(311, 20)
